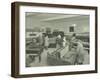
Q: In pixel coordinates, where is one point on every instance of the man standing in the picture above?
(79, 52)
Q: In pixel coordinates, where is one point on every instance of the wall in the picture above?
(82, 24)
(5, 41)
(32, 23)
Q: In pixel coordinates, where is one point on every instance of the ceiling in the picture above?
(47, 17)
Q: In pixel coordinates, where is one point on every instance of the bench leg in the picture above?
(39, 58)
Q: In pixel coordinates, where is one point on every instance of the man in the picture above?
(72, 41)
(59, 45)
(64, 41)
(46, 42)
(79, 52)
(76, 52)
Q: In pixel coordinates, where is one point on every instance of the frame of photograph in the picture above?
(16, 41)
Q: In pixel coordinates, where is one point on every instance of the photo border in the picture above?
(15, 32)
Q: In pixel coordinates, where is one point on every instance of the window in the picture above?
(71, 29)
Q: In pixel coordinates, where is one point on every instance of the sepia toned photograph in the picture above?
(53, 39)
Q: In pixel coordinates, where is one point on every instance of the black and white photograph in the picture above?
(53, 39)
